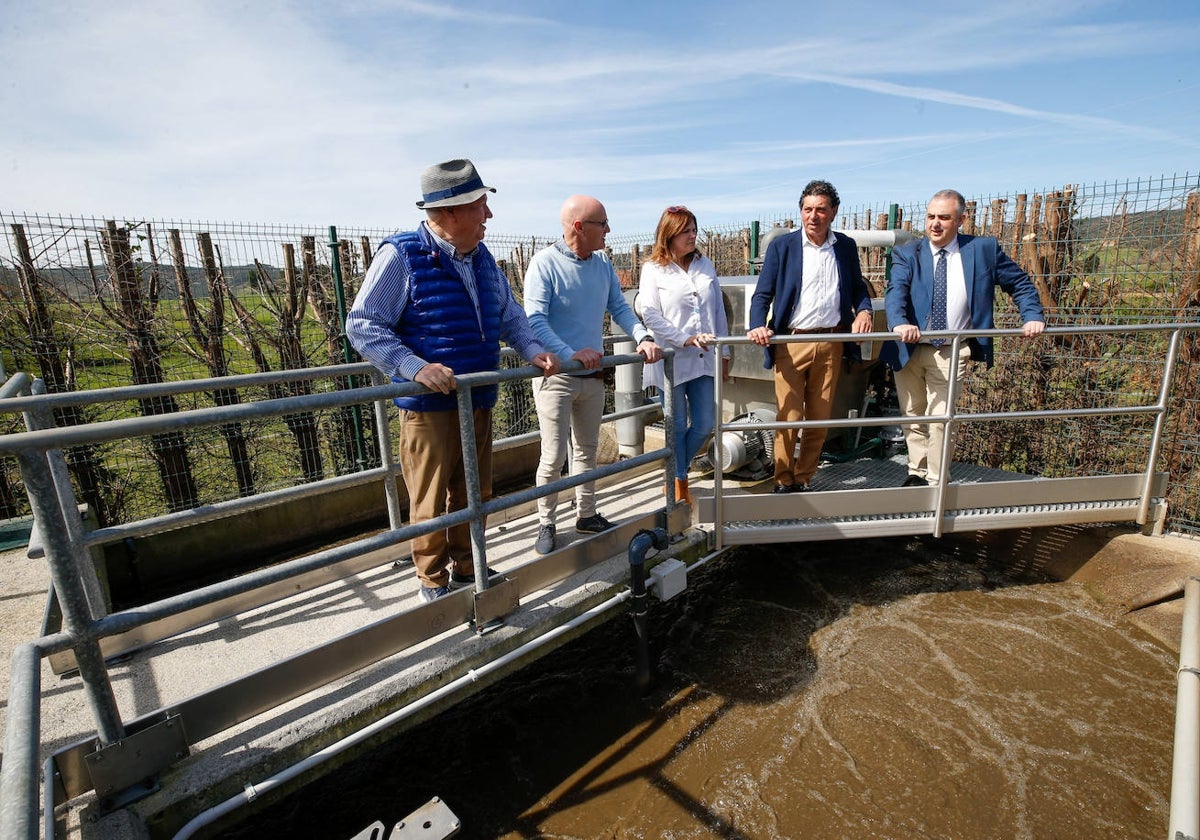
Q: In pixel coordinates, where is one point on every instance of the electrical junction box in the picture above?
(668, 579)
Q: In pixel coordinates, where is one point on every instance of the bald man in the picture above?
(568, 288)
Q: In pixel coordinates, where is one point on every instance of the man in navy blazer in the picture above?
(814, 280)
(975, 266)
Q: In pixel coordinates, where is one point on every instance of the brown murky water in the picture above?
(867, 688)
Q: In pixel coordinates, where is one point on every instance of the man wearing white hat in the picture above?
(434, 305)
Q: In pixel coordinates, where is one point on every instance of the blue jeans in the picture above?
(693, 401)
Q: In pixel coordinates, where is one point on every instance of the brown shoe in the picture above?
(682, 494)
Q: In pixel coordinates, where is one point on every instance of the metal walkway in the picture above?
(863, 498)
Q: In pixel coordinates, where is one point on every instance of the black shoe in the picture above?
(458, 581)
(790, 488)
(915, 481)
(592, 525)
(545, 540)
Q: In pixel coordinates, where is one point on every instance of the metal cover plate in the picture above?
(136, 758)
(432, 821)
(500, 598)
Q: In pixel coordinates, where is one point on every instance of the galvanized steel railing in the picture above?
(954, 417)
(39, 452)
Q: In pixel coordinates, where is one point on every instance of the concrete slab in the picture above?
(168, 673)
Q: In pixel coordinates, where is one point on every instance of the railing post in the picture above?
(1160, 421)
(949, 428)
(383, 434)
(42, 418)
(19, 773)
(669, 421)
(718, 447)
(48, 514)
(466, 432)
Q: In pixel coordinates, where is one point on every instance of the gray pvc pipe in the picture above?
(1185, 783)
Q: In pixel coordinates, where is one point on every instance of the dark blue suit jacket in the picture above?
(909, 297)
(783, 275)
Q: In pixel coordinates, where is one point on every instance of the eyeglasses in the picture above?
(678, 208)
(591, 222)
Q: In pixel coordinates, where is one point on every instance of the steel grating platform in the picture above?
(863, 498)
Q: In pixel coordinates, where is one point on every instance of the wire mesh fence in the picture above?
(93, 303)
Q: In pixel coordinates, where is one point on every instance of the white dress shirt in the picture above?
(675, 305)
(820, 296)
(958, 311)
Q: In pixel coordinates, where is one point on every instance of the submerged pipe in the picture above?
(642, 542)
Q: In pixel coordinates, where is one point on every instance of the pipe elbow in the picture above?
(643, 541)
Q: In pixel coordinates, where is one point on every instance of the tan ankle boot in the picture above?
(681, 491)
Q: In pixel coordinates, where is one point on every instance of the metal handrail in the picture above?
(953, 417)
(82, 628)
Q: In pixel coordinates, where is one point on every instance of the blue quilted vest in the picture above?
(439, 323)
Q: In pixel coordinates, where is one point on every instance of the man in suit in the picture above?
(946, 282)
(811, 282)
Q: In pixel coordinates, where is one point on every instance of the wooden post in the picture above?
(1017, 247)
(1189, 293)
(996, 222)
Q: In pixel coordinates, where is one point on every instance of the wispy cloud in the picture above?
(301, 111)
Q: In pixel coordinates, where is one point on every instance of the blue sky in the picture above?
(325, 112)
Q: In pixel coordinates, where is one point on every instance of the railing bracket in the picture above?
(127, 770)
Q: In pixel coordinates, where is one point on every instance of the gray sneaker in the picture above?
(432, 593)
(592, 525)
(545, 540)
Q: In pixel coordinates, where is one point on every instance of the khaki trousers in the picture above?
(923, 388)
(431, 458)
(805, 378)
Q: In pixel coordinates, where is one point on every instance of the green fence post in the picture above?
(893, 215)
(753, 246)
(335, 262)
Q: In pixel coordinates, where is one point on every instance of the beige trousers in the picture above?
(569, 410)
(923, 388)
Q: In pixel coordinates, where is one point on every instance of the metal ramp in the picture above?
(862, 499)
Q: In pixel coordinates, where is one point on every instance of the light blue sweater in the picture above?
(566, 298)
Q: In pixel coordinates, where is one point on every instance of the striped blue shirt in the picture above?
(385, 293)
